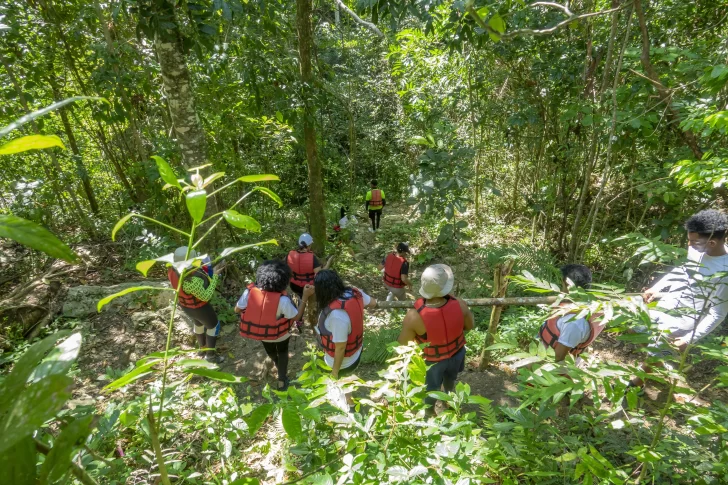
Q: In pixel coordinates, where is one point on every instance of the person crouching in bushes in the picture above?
(441, 320)
(266, 313)
(341, 321)
(565, 333)
(194, 300)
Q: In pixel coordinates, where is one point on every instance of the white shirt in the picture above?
(573, 332)
(344, 221)
(691, 288)
(286, 309)
(339, 324)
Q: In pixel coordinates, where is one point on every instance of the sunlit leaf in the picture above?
(292, 423)
(196, 203)
(31, 116)
(228, 251)
(144, 266)
(34, 236)
(216, 375)
(208, 180)
(259, 178)
(60, 359)
(241, 221)
(104, 301)
(119, 225)
(166, 172)
(132, 376)
(31, 142)
(270, 194)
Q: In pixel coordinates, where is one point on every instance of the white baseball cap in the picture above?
(180, 254)
(436, 281)
(305, 238)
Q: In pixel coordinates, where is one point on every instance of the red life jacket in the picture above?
(354, 307)
(185, 300)
(444, 329)
(550, 333)
(376, 200)
(259, 320)
(392, 270)
(301, 265)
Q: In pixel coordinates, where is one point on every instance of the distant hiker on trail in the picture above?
(194, 300)
(303, 263)
(341, 321)
(396, 271)
(266, 313)
(565, 333)
(440, 320)
(374, 203)
(697, 299)
(343, 229)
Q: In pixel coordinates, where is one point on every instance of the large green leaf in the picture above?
(246, 481)
(270, 194)
(292, 423)
(15, 382)
(60, 359)
(17, 465)
(144, 266)
(119, 224)
(256, 419)
(196, 202)
(228, 251)
(35, 236)
(216, 375)
(33, 407)
(496, 23)
(241, 221)
(134, 375)
(31, 142)
(104, 301)
(259, 178)
(59, 459)
(166, 172)
(31, 116)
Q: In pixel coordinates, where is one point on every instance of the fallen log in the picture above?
(518, 300)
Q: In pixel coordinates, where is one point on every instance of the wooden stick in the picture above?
(519, 300)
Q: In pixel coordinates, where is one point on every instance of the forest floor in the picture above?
(115, 340)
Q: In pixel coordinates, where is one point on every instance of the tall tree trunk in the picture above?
(688, 137)
(315, 181)
(186, 125)
(78, 159)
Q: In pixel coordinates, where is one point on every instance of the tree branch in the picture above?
(359, 20)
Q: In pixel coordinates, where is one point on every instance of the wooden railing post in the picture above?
(500, 286)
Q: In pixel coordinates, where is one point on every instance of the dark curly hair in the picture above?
(708, 223)
(329, 287)
(579, 274)
(273, 275)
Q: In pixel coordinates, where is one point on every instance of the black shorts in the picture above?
(445, 370)
(350, 370)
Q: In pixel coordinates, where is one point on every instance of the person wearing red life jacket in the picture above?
(303, 263)
(194, 300)
(567, 334)
(340, 325)
(441, 320)
(266, 313)
(396, 272)
(375, 202)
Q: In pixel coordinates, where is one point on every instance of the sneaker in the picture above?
(214, 358)
(371, 230)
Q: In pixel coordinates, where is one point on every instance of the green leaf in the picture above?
(144, 266)
(566, 457)
(196, 202)
(501, 346)
(228, 251)
(17, 465)
(292, 423)
(136, 374)
(33, 407)
(259, 178)
(496, 23)
(270, 194)
(31, 142)
(216, 375)
(417, 370)
(212, 178)
(166, 172)
(104, 301)
(419, 140)
(15, 382)
(31, 116)
(119, 224)
(256, 419)
(440, 395)
(246, 481)
(59, 459)
(60, 359)
(34, 236)
(241, 221)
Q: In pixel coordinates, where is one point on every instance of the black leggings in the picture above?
(278, 353)
(205, 315)
(375, 216)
